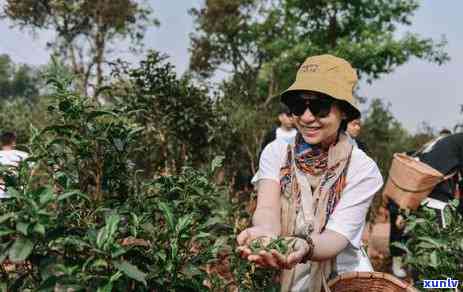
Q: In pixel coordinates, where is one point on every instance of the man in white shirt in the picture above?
(9, 156)
(353, 130)
(285, 132)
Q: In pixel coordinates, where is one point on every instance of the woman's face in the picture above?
(320, 128)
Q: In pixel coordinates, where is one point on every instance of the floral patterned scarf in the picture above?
(326, 170)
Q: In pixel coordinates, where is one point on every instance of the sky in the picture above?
(417, 91)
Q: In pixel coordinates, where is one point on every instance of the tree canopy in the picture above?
(17, 80)
(85, 30)
(261, 43)
(274, 37)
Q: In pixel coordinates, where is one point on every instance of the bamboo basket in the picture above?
(410, 181)
(369, 282)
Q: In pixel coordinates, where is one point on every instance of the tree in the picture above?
(263, 42)
(424, 134)
(85, 30)
(17, 80)
(459, 126)
(225, 35)
(276, 36)
(384, 135)
(177, 115)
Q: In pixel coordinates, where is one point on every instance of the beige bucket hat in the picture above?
(330, 75)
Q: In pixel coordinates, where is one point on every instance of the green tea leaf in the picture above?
(106, 234)
(99, 263)
(217, 162)
(401, 246)
(117, 252)
(106, 288)
(112, 223)
(101, 237)
(20, 250)
(97, 113)
(131, 271)
(46, 196)
(168, 215)
(109, 286)
(13, 193)
(72, 193)
(39, 228)
(434, 259)
(22, 227)
(202, 235)
(7, 216)
(6, 231)
(183, 223)
(173, 249)
(438, 243)
(191, 271)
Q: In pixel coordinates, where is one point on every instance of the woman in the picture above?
(317, 190)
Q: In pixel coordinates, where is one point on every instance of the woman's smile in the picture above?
(310, 131)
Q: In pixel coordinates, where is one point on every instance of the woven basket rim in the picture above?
(425, 168)
(373, 275)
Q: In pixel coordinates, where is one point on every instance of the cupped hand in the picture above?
(298, 250)
(244, 239)
(251, 233)
(272, 258)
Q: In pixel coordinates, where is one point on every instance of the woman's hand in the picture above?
(245, 238)
(272, 258)
(400, 222)
(298, 251)
(251, 233)
(266, 221)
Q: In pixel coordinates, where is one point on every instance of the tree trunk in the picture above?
(333, 29)
(184, 155)
(251, 159)
(164, 153)
(272, 88)
(98, 169)
(100, 44)
(77, 69)
(98, 195)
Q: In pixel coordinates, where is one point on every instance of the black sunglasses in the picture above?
(319, 107)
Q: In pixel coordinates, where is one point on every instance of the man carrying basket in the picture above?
(434, 173)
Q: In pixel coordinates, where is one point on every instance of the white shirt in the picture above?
(10, 158)
(430, 145)
(348, 219)
(351, 140)
(285, 135)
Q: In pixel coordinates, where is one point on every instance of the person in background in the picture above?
(353, 129)
(9, 156)
(429, 145)
(285, 131)
(445, 154)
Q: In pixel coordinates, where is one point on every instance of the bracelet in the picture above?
(306, 235)
(309, 254)
(308, 230)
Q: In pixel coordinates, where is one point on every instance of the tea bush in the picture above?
(433, 251)
(83, 217)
